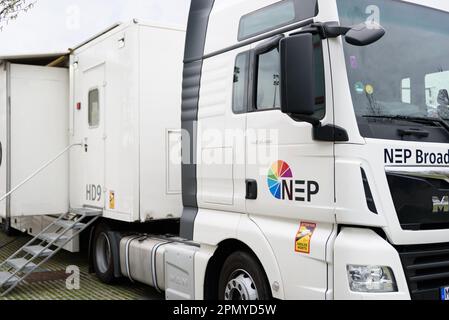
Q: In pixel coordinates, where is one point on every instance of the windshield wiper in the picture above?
(421, 120)
(440, 121)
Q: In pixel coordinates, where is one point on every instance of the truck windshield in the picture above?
(406, 73)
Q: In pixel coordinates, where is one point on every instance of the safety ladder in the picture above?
(44, 246)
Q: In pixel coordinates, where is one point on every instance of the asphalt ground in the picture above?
(50, 283)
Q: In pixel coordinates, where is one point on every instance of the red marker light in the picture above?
(78, 106)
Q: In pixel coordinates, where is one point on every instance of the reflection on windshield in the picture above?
(406, 73)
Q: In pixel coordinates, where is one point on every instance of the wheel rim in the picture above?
(103, 252)
(241, 286)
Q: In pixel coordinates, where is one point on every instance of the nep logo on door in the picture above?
(283, 187)
(278, 171)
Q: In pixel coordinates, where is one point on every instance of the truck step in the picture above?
(88, 212)
(5, 281)
(17, 264)
(38, 251)
(50, 237)
(66, 224)
(82, 219)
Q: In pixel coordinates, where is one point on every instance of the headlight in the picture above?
(371, 279)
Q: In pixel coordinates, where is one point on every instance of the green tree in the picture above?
(10, 10)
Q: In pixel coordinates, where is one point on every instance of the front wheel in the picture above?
(102, 254)
(242, 278)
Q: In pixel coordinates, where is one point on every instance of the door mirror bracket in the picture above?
(363, 34)
(309, 119)
(330, 133)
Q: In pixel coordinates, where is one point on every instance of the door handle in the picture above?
(251, 189)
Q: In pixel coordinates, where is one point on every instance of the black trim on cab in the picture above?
(413, 199)
(195, 42)
(368, 194)
(426, 269)
(404, 129)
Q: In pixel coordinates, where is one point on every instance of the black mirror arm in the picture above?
(309, 119)
(269, 44)
(330, 133)
(325, 30)
(332, 29)
(327, 133)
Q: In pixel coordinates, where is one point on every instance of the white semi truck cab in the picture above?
(317, 165)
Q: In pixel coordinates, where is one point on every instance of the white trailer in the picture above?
(124, 145)
(126, 86)
(33, 130)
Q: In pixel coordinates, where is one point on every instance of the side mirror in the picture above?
(298, 76)
(364, 34)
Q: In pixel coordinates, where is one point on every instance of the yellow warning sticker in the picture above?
(111, 200)
(304, 236)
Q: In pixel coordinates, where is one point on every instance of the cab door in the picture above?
(94, 135)
(290, 176)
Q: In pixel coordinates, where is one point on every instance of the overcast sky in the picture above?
(55, 25)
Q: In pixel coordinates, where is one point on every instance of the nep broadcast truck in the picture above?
(315, 159)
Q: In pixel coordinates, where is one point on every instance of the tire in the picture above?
(243, 278)
(102, 254)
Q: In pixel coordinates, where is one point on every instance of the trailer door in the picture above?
(94, 134)
(3, 138)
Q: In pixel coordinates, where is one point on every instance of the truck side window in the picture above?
(266, 19)
(268, 80)
(320, 83)
(94, 108)
(276, 15)
(268, 77)
(241, 70)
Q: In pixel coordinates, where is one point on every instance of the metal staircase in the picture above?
(44, 246)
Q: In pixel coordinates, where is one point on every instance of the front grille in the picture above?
(426, 269)
(413, 199)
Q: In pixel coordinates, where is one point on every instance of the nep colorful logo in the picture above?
(283, 187)
(278, 171)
